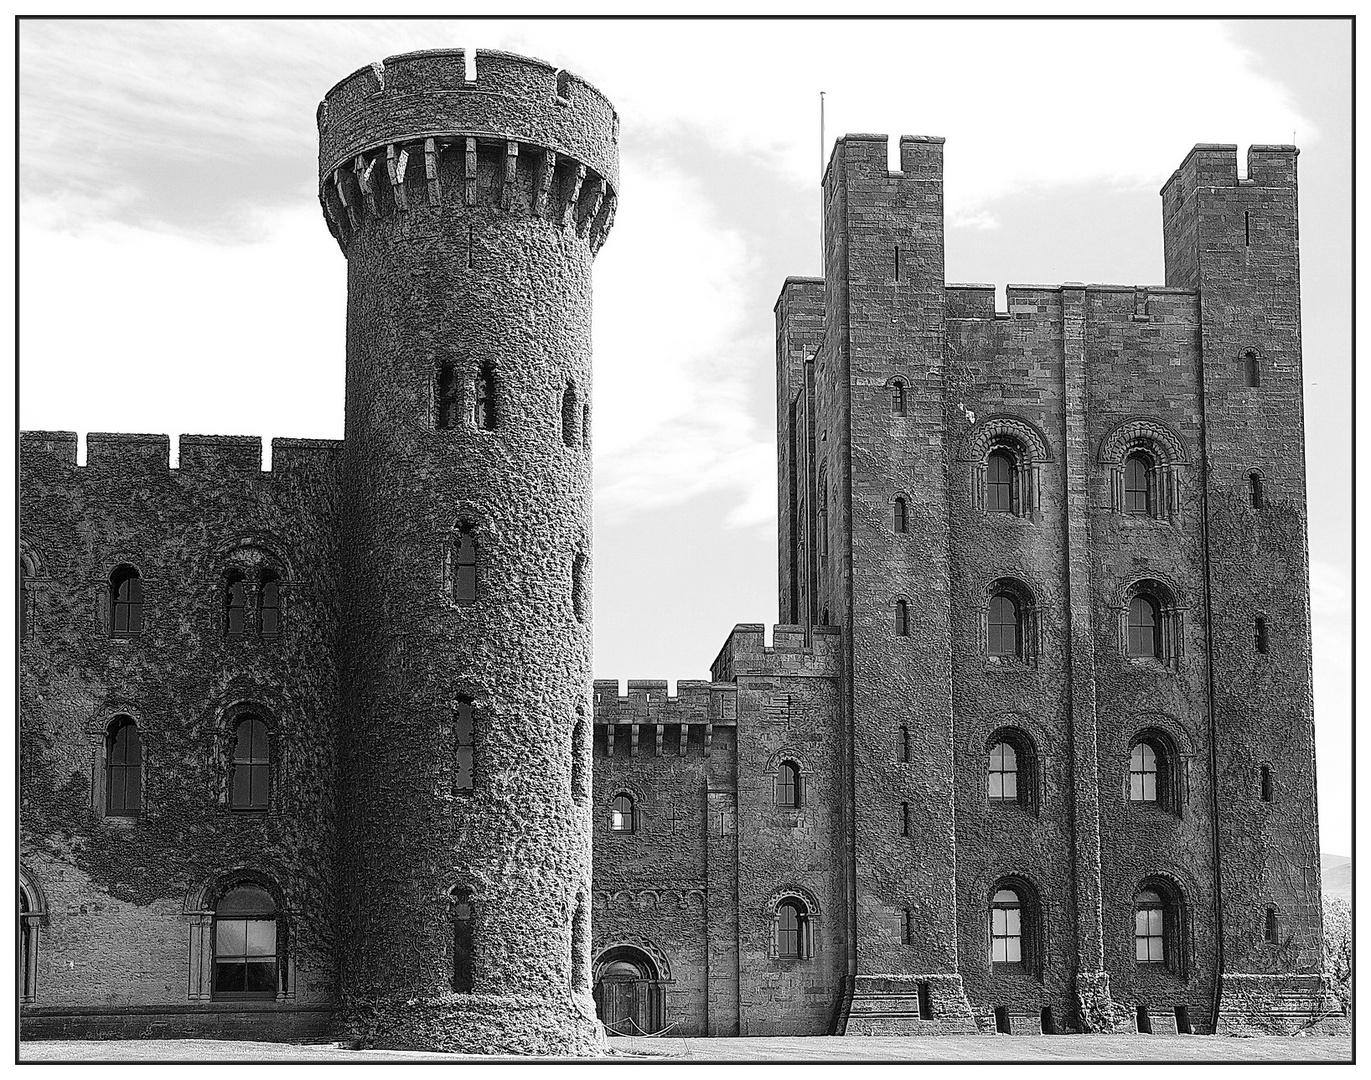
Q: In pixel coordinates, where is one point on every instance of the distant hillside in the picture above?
(1337, 875)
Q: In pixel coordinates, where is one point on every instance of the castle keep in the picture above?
(318, 747)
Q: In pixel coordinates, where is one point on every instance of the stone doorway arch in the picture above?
(629, 995)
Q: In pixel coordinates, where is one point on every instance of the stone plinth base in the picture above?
(1279, 1005)
(889, 1005)
(1095, 1006)
(479, 1024)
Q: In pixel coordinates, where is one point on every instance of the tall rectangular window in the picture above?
(464, 775)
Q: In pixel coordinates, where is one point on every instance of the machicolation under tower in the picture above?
(470, 211)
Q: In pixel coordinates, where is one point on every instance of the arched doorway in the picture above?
(628, 992)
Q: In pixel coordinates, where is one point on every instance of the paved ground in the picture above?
(964, 1048)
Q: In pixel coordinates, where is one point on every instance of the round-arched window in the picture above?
(245, 956)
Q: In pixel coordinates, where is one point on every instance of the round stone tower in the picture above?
(470, 203)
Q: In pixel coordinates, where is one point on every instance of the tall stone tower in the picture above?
(470, 205)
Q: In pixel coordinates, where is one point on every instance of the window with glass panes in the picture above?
(1137, 485)
(999, 482)
(236, 604)
(1144, 627)
(1142, 773)
(789, 939)
(621, 814)
(788, 785)
(245, 964)
(123, 769)
(1005, 636)
(1149, 923)
(464, 582)
(251, 779)
(1006, 930)
(126, 602)
(269, 605)
(1004, 772)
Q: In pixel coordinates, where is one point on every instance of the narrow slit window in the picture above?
(1272, 927)
(236, 604)
(901, 618)
(901, 515)
(448, 393)
(904, 743)
(269, 605)
(585, 425)
(1256, 496)
(464, 579)
(904, 819)
(1263, 641)
(483, 407)
(463, 942)
(1268, 787)
(569, 415)
(464, 775)
(908, 927)
(578, 587)
(898, 400)
(1247, 228)
(897, 262)
(1252, 369)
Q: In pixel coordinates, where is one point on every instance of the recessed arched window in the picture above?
(1256, 494)
(1149, 927)
(464, 775)
(464, 572)
(463, 940)
(1001, 483)
(448, 393)
(788, 785)
(1005, 622)
(123, 769)
(1004, 773)
(899, 402)
(483, 400)
(269, 605)
(235, 603)
(793, 938)
(250, 780)
(901, 515)
(901, 618)
(1154, 771)
(1251, 369)
(1138, 496)
(245, 944)
(1144, 627)
(622, 814)
(126, 602)
(1006, 927)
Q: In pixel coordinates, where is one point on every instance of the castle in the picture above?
(318, 746)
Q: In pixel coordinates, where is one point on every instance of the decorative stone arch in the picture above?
(265, 705)
(1023, 739)
(809, 925)
(1033, 915)
(1178, 937)
(1165, 451)
(661, 963)
(198, 909)
(32, 581)
(254, 556)
(1176, 754)
(899, 512)
(1017, 585)
(98, 727)
(1171, 606)
(897, 394)
(634, 793)
(109, 562)
(803, 770)
(1024, 442)
(631, 1001)
(33, 916)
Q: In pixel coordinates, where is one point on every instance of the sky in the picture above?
(176, 274)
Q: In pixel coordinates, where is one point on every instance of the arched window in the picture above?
(901, 618)
(123, 769)
(464, 577)
(1001, 483)
(1144, 627)
(448, 394)
(622, 814)
(1137, 484)
(483, 400)
(578, 587)
(245, 944)
(1004, 773)
(788, 785)
(1256, 495)
(793, 938)
(899, 404)
(901, 515)
(235, 603)
(269, 605)
(464, 775)
(1005, 625)
(569, 415)
(1142, 773)
(126, 602)
(1251, 368)
(1153, 771)
(250, 781)
(1006, 927)
(463, 940)
(1149, 927)
(28, 947)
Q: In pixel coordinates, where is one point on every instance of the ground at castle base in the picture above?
(822, 1048)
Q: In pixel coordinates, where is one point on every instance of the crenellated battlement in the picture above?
(1215, 165)
(866, 156)
(412, 132)
(651, 722)
(977, 301)
(790, 653)
(225, 458)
